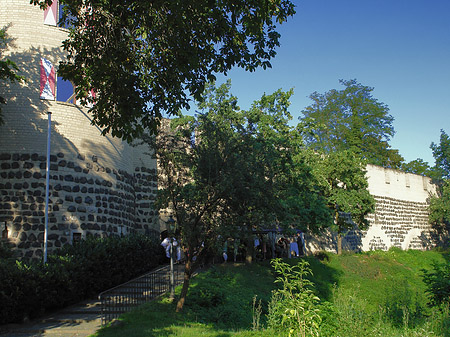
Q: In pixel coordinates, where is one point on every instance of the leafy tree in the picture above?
(351, 119)
(418, 166)
(441, 154)
(342, 177)
(273, 149)
(8, 68)
(205, 176)
(440, 205)
(224, 172)
(143, 58)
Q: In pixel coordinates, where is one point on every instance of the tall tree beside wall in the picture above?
(440, 204)
(342, 178)
(143, 58)
(350, 119)
(222, 171)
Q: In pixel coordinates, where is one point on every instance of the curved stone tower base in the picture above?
(99, 185)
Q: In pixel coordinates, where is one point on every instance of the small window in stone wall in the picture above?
(5, 231)
(424, 183)
(53, 86)
(76, 237)
(54, 13)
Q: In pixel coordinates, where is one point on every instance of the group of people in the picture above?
(266, 245)
(291, 246)
(274, 244)
(167, 245)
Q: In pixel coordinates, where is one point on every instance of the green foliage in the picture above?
(234, 171)
(224, 296)
(5, 251)
(342, 181)
(417, 166)
(74, 273)
(437, 280)
(256, 314)
(402, 304)
(8, 68)
(441, 154)
(293, 307)
(145, 58)
(357, 291)
(350, 119)
(439, 207)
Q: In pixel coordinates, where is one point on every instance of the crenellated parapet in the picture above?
(400, 218)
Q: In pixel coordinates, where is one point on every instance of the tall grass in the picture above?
(367, 294)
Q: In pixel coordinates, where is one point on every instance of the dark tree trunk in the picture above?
(188, 270)
(339, 236)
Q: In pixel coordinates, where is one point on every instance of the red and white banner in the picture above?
(48, 80)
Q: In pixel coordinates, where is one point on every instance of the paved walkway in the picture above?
(82, 319)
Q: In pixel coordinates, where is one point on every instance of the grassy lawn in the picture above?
(367, 294)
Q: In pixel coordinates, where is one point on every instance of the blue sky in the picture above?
(399, 47)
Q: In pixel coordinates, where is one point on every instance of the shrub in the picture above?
(402, 305)
(293, 307)
(437, 281)
(73, 273)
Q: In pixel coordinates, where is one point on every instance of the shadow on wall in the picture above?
(85, 196)
(25, 113)
(26, 123)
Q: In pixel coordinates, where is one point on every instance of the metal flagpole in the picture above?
(47, 180)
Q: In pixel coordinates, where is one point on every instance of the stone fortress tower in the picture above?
(99, 185)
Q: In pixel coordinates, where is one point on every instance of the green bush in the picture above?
(73, 273)
(402, 304)
(214, 301)
(437, 281)
(294, 307)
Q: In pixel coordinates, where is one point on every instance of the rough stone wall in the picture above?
(400, 218)
(99, 185)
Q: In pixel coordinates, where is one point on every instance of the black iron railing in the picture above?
(127, 296)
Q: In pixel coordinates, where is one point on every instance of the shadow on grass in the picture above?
(325, 277)
(159, 318)
(219, 302)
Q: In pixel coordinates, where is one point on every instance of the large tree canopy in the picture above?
(351, 119)
(143, 58)
(228, 172)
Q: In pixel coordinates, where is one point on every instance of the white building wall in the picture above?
(400, 218)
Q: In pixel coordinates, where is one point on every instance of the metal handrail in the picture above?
(125, 297)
